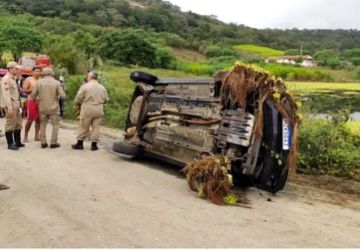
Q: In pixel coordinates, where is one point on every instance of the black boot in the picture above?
(78, 145)
(17, 137)
(94, 146)
(56, 145)
(10, 140)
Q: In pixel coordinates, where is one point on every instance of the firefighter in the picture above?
(49, 91)
(91, 96)
(10, 101)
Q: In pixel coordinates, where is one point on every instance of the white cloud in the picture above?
(283, 14)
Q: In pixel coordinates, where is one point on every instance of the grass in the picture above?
(354, 127)
(340, 75)
(263, 51)
(206, 68)
(185, 54)
(322, 86)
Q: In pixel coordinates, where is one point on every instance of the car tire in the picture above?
(139, 76)
(126, 148)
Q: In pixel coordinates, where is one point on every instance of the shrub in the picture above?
(206, 68)
(357, 73)
(329, 147)
(173, 40)
(72, 85)
(164, 59)
(217, 51)
(293, 73)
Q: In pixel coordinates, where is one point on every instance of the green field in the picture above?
(263, 51)
(322, 86)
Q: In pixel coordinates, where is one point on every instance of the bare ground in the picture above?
(65, 198)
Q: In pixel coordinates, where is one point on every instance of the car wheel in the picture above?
(126, 148)
(138, 76)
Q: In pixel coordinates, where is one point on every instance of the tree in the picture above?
(327, 57)
(164, 59)
(128, 47)
(18, 33)
(18, 39)
(86, 43)
(63, 54)
(352, 55)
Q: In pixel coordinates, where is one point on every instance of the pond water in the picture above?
(355, 115)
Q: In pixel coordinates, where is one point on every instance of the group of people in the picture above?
(43, 95)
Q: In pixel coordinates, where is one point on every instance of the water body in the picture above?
(355, 116)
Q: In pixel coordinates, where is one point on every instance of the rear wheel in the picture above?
(126, 148)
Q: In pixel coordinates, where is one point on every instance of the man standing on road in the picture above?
(91, 96)
(32, 104)
(48, 90)
(10, 101)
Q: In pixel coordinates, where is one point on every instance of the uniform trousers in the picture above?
(44, 119)
(13, 122)
(84, 127)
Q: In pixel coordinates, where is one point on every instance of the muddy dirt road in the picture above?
(65, 198)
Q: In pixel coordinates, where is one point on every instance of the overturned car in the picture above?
(244, 114)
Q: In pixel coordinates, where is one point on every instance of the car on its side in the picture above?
(180, 120)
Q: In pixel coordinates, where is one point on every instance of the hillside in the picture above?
(84, 34)
(162, 16)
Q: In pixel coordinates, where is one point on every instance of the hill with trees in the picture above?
(147, 32)
(162, 16)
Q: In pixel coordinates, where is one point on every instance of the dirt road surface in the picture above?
(69, 199)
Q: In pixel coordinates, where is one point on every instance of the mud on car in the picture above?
(180, 120)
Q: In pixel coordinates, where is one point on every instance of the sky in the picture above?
(281, 14)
